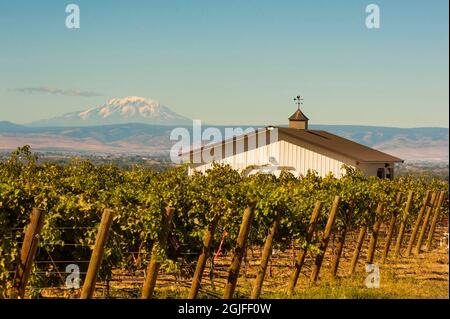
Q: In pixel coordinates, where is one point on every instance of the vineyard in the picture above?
(140, 233)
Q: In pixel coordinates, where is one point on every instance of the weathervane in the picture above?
(299, 101)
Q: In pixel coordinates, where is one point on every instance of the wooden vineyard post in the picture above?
(340, 243)
(423, 230)
(28, 252)
(97, 254)
(197, 280)
(256, 291)
(233, 272)
(401, 230)
(301, 257)
(155, 262)
(390, 233)
(325, 239)
(417, 224)
(437, 211)
(357, 251)
(374, 235)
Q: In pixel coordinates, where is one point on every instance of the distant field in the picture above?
(412, 144)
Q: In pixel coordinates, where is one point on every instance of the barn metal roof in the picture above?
(336, 144)
(321, 139)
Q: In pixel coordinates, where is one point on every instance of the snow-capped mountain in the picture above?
(131, 109)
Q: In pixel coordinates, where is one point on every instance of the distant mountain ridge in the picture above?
(411, 144)
(130, 109)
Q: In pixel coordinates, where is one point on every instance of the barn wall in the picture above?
(371, 169)
(312, 158)
(287, 154)
(258, 156)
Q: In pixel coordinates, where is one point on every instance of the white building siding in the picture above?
(302, 158)
(258, 156)
(370, 169)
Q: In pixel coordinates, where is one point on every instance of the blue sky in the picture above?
(230, 62)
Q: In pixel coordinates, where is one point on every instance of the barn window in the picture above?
(390, 173)
(385, 173)
(380, 173)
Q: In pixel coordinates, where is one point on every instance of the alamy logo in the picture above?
(373, 277)
(209, 145)
(73, 279)
(373, 19)
(73, 19)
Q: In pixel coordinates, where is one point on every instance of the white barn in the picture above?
(296, 149)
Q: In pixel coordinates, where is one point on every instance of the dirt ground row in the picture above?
(419, 276)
